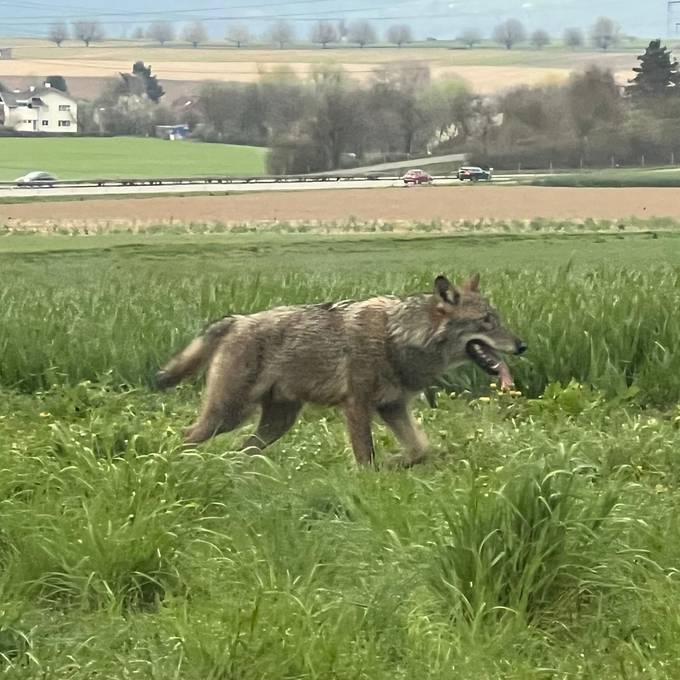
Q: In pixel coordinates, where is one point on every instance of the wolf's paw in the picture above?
(163, 380)
(403, 460)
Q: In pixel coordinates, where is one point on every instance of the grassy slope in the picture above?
(541, 541)
(126, 157)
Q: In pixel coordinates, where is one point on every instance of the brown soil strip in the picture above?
(418, 204)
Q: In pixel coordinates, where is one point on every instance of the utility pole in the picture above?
(672, 11)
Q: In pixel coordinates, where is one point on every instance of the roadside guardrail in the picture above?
(208, 180)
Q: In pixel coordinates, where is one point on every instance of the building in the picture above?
(5, 52)
(39, 109)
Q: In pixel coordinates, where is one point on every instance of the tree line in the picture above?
(603, 34)
(329, 120)
(590, 120)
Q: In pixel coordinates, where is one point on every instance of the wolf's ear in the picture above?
(446, 291)
(472, 285)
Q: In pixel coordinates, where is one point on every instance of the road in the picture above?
(223, 189)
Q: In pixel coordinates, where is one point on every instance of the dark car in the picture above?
(474, 173)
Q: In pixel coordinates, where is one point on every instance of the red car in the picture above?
(417, 176)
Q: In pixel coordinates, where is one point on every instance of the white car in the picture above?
(36, 178)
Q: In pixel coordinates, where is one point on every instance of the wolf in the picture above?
(369, 357)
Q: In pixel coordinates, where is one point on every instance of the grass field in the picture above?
(540, 541)
(623, 177)
(487, 54)
(87, 157)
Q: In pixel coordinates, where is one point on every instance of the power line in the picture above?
(155, 13)
(298, 16)
(331, 15)
(41, 5)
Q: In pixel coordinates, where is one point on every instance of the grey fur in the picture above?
(368, 357)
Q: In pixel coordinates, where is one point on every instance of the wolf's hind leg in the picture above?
(226, 402)
(215, 420)
(276, 419)
(398, 418)
(359, 418)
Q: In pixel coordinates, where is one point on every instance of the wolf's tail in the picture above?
(194, 356)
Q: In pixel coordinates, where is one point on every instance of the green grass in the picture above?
(540, 540)
(138, 323)
(90, 157)
(654, 177)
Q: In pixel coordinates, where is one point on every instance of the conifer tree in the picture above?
(656, 76)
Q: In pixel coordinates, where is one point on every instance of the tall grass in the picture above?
(608, 327)
(206, 564)
(540, 541)
(539, 544)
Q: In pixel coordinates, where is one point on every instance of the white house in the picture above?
(39, 109)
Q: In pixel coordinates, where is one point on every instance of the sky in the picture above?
(428, 18)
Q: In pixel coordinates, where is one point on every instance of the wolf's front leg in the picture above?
(399, 419)
(359, 416)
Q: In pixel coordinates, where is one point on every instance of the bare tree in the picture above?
(540, 38)
(161, 32)
(573, 37)
(58, 33)
(594, 100)
(509, 33)
(138, 33)
(361, 32)
(282, 33)
(470, 37)
(399, 34)
(88, 30)
(195, 33)
(239, 34)
(604, 33)
(323, 33)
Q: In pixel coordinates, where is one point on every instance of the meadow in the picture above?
(448, 51)
(619, 177)
(540, 541)
(126, 157)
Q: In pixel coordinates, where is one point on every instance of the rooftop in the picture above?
(16, 97)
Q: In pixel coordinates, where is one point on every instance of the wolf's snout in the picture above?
(521, 347)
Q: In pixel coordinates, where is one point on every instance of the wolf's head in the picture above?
(474, 330)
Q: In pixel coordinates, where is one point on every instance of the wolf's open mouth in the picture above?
(485, 357)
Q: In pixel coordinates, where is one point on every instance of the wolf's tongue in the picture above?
(504, 374)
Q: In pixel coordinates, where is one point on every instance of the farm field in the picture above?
(87, 157)
(487, 69)
(540, 540)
